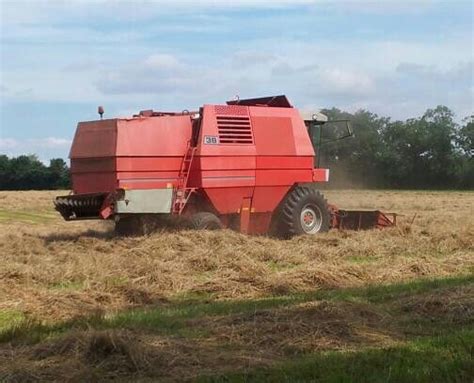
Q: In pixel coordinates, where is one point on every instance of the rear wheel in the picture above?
(129, 226)
(205, 221)
(304, 211)
(140, 224)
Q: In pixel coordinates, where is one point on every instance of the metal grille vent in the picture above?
(234, 130)
(231, 110)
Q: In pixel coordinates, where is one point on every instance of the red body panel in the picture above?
(246, 157)
(165, 136)
(228, 200)
(95, 139)
(139, 153)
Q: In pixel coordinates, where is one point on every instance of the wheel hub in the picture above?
(308, 218)
(311, 219)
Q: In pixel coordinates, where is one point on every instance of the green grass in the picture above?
(116, 281)
(25, 216)
(67, 285)
(358, 259)
(10, 319)
(280, 266)
(442, 359)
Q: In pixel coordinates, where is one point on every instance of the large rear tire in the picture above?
(304, 211)
(205, 221)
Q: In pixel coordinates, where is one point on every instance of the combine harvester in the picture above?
(249, 165)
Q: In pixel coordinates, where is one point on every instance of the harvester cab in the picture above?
(251, 165)
(322, 131)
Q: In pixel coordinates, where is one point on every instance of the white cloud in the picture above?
(347, 81)
(156, 74)
(34, 143)
(386, 6)
(49, 142)
(123, 63)
(246, 58)
(28, 11)
(401, 90)
(8, 143)
(44, 148)
(162, 61)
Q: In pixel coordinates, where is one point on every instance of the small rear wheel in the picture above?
(139, 224)
(129, 226)
(304, 211)
(205, 221)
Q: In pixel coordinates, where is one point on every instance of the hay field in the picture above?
(79, 304)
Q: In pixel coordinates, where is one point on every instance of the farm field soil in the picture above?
(79, 304)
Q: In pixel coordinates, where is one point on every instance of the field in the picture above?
(79, 304)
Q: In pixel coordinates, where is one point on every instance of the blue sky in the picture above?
(61, 59)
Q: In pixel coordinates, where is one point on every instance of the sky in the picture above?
(61, 59)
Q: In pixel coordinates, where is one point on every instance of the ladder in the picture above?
(183, 192)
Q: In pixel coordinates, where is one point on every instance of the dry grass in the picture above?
(55, 271)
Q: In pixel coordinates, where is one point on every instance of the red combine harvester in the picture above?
(248, 165)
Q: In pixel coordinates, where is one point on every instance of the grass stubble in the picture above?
(80, 304)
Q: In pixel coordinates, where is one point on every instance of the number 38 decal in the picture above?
(211, 140)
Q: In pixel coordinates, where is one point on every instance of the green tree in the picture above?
(28, 172)
(465, 137)
(355, 161)
(420, 151)
(59, 173)
(5, 172)
(440, 136)
(465, 154)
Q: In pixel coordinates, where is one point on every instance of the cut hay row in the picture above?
(59, 270)
(61, 277)
(179, 348)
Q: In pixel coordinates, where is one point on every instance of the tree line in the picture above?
(28, 172)
(431, 151)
